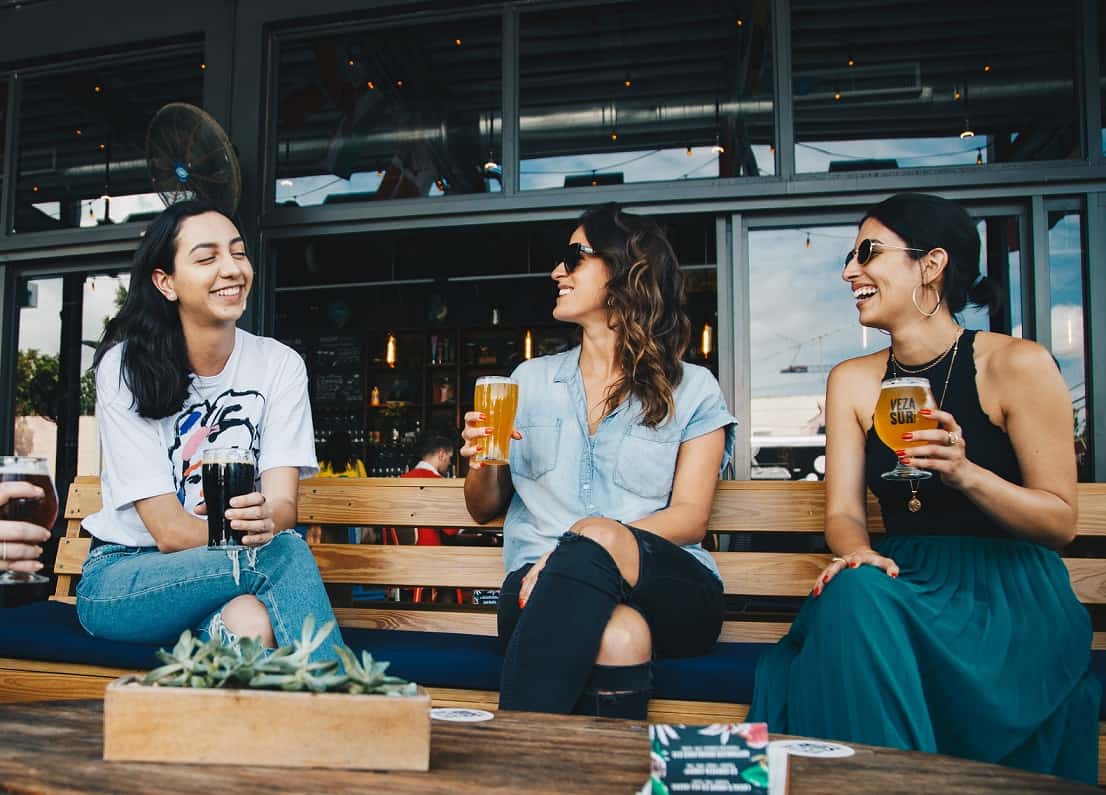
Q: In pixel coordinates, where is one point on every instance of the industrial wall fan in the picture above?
(188, 155)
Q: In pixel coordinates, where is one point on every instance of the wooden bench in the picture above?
(753, 508)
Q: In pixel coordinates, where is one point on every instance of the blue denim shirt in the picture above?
(623, 472)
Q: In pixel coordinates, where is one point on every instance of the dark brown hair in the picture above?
(647, 308)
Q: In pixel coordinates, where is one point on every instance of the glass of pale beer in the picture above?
(497, 398)
(900, 400)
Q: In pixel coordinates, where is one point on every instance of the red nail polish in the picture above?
(521, 603)
(894, 575)
(817, 592)
(907, 436)
(925, 412)
(853, 565)
(825, 579)
(900, 453)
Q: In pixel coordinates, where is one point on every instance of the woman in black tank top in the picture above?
(958, 632)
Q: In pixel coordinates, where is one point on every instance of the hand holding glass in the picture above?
(227, 472)
(897, 412)
(41, 511)
(497, 398)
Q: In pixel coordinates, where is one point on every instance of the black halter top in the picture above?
(945, 511)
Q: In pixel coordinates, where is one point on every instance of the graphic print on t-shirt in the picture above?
(232, 419)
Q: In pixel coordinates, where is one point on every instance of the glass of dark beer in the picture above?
(227, 472)
(42, 511)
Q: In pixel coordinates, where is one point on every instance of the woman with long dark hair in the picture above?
(174, 377)
(610, 484)
(958, 632)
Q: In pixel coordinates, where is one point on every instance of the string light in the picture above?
(968, 132)
(979, 157)
(740, 22)
(399, 84)
(690, 152)
(457, 42)
(528, 345)
(350, 62)
(956, 93)
(97, 89)
(706, 344)
(986, 67)
(370, 85)
(78, 131)
(614, 135)
(836, 93)
(627, 82)
(103, 147)
(390, 351)
(203, 66)
(808, 239)
(850, 61)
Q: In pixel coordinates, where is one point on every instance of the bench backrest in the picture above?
(740, 507)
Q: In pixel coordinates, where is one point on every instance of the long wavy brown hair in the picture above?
(646, 298)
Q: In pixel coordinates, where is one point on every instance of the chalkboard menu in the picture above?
(337, 369)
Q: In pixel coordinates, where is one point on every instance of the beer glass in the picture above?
(227, 472)
(42, 511)
(496, 397)
(900, 400)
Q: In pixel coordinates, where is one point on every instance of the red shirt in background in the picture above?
(428, 536)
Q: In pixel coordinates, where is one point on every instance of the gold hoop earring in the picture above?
(922, 312)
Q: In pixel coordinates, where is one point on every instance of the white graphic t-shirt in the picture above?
(258, 402)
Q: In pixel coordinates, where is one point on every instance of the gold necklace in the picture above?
(931, 365)
(914, 504)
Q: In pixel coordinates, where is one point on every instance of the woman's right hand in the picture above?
(473, 432)
(865, 556)
(19, 540)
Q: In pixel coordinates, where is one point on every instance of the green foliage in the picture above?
(246, 663)
(36, 384)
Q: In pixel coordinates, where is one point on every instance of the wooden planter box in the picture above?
(266, 727)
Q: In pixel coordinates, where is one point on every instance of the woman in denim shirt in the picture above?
(620, 445)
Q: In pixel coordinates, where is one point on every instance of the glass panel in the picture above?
(1065, 254)
(643, 91)
(103, 298)
(82, 140)
(37, 379)
(389, 113)
(921, 84)
(795, 346)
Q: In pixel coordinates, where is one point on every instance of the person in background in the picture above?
(958, 631)
(338, 460)
(435, 457)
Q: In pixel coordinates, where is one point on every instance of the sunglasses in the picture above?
(573, 253)
(868, 248)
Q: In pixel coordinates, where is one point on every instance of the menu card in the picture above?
(721, 757)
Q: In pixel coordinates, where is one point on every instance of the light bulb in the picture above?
(390, 351)
(808, 239)
(689, 152)
(528, 345)
(614, 135)
(979, 158)
(706, 344)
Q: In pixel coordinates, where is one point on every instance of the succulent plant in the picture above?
(246, 663)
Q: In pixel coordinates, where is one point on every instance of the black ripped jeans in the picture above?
(550, 647)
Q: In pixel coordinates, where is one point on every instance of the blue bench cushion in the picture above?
(50, 632)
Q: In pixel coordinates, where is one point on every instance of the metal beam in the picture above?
(510, 157)
(11, 133)
(784, 98)
(1094, 328)
(1036, 283)
(741, 357)
(1089, 81)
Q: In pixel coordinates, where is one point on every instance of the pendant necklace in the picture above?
(914, 504)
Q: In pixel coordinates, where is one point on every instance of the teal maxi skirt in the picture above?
(979, 649)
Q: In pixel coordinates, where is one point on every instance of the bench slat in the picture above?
(739, 506)
(745, 573)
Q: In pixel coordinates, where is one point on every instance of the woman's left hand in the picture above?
(251, 513)
(944, 452)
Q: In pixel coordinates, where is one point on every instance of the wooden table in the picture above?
(55, 747)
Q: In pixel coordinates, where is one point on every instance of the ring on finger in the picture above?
(954, 438)
(839, 560)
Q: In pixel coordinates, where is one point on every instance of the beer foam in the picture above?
(227, 455)
(23, 465)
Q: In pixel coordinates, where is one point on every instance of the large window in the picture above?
(804, 321)
(82, 140)
(396, 111)
(922, 84)
(645, 91)
(3, 126)
(396, 326)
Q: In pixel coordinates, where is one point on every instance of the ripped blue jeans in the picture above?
(140, 595)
